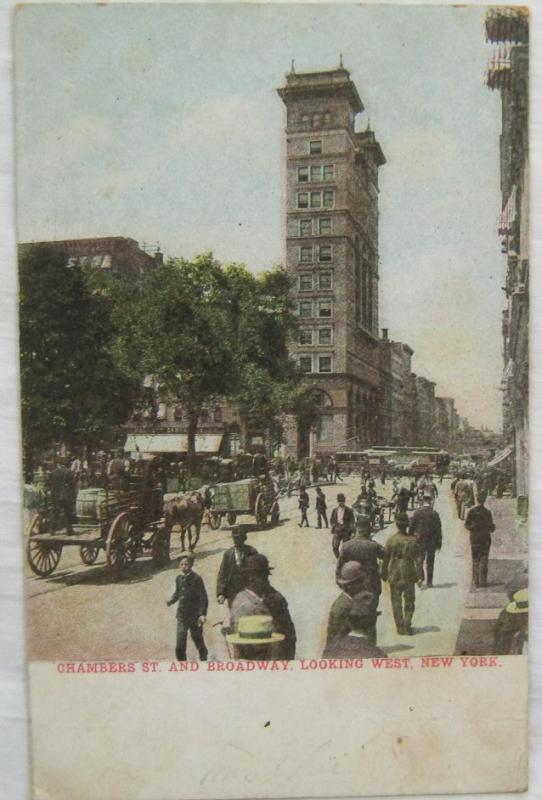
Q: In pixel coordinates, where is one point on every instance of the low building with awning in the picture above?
(174, 443)
(501, 457)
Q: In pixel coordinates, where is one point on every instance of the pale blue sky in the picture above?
(162, 123)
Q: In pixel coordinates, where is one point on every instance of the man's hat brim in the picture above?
(234, 638)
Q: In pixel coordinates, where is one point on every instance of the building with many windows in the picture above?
(508, 72)
(332, 257)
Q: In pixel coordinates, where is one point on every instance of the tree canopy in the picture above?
(72, 388)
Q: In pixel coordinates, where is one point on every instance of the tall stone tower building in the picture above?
(332, 257)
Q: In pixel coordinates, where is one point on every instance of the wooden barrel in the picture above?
(88, 504)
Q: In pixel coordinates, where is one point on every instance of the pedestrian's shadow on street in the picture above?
(443, 585)
(397, 648)
(427, 629)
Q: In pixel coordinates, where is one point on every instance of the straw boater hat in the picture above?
(256, 629)
(520, 603)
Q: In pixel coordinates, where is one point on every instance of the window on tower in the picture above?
(302, 174)
(305, 255)
(305, 227)
(305, 363)
(316, 199)
(328, 172)
(316, 120)
(305, 309)
(316, 173)
(324, 363)
(327, 118)
(324, 225)
(305, 121)
(315, 146)
(304, 336)
(324, 308)
(324, 280)
(305, 282)
(329, 198)
(324, 335)
(324, 253)
(302, 199)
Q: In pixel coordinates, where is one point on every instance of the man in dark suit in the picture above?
(356, 643)
(426, 526)
(367, 554)
(480, 524)
(342, 524)
(192, 609)
(231, 578)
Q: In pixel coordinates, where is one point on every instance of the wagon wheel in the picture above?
(260, 509)
(39, 525)
(275, 513)
(231, 517)
(43, 557)
(121, 547)
(215, 519)
(89, 553)
(160, 546)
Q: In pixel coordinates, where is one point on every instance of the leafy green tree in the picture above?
(72, 389)
(181, 333)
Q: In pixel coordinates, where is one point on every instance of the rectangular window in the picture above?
(324, 253)
(324, 280)
(315, 146)
(324, 363)
(305, 227)
(305, 255)
(302, 200)
(329, 198)
(324, 225)
(324, 335)
(327, 172)
(316, 199)
(305, 282)
(316, 173)
(324, 308)
(305, 309)
(303, 174)
(305, 363)
(304, 336)
(316, 120)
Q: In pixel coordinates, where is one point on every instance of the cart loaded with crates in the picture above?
(254, 496)
(123, 523)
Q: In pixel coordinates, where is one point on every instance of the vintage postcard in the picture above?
(273, 271)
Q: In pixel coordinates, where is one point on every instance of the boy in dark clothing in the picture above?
(192, 609)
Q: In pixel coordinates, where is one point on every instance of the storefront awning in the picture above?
(172, 443)
(500, 457)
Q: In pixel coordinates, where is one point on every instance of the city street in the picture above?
(79, 613)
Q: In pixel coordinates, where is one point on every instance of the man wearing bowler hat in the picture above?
(342, 524)
(426, 526)
(352, 580)
(357, 642)
(367, 553)
(260, 598)
(230, 578)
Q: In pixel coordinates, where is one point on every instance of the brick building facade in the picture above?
(332, 258)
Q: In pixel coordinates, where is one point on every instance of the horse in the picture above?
(185, 510)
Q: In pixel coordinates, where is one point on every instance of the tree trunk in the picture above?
(192, 429)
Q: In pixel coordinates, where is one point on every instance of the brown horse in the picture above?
(185, 510)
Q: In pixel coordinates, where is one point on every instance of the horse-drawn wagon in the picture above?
(254, 496)
(124, 524)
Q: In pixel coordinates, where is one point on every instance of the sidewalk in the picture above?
(508, 564)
